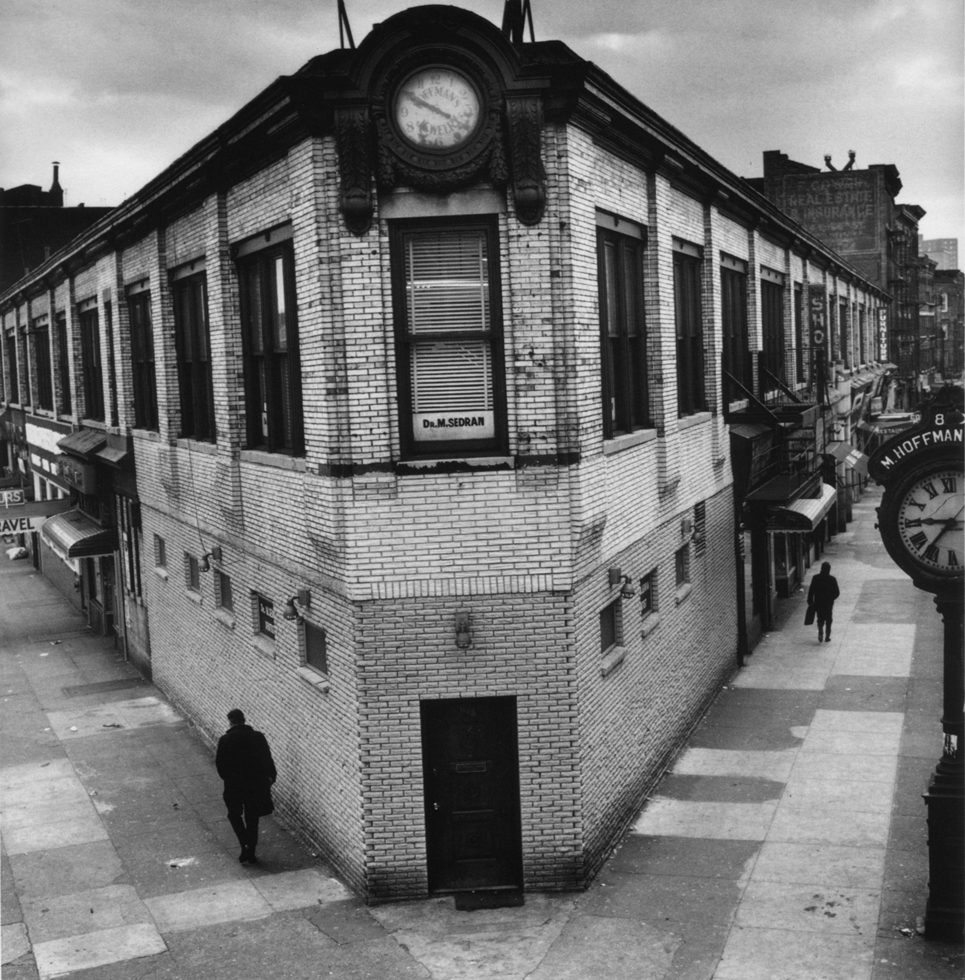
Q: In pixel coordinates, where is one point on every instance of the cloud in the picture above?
(137, 82)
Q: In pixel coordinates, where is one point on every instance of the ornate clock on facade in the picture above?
(437, 109)
(921, 522)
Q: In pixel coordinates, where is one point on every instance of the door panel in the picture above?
(472, 793)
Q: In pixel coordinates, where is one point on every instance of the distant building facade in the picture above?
(34, 224)
(950, 315)
(944, 251)
(460, 418)
(856, 212)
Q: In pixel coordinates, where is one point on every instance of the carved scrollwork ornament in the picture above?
(524, 120)
(354, 140)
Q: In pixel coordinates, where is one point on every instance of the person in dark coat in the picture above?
(245, 764)
(824, 590)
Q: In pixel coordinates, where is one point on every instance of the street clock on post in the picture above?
(921, 524)
(921, 519)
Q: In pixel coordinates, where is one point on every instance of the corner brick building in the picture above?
(402, 413)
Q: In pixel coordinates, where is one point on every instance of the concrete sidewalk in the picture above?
(787, 841)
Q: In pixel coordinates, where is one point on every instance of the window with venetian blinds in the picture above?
(449, 334)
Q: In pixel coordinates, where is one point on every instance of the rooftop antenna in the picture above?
(344, 28)
(516, 15)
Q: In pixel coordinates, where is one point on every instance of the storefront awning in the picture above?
(75, 535)
(802, 514)
(845, 453)
(83, 442)
(115, 457)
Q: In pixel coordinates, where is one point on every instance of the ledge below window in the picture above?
(683, 593)
(612, 659)
(280, 461)
(194, 595)
(161, 573)
(264, 646)
(313, 678)
(618, 443)
(650, 624)
(224, 617)
(691, 420)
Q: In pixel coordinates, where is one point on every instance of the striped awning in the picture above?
(802, 513)
(77, 535)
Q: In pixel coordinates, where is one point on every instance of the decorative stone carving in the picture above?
(524, 122)
(354, 138)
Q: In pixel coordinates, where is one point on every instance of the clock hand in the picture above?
(428, 105)
(918, 521)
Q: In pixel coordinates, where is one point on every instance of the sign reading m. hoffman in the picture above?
(939, 431)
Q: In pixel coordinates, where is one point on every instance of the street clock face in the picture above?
(437, 108)
(921, 519)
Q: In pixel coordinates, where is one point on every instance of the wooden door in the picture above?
(471, 779)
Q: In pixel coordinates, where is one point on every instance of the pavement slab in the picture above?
(120, 944)
(727, 821)
(621, 949)
(13, 942)
(774, 766)
(654, 855)
(480, 945)
(787, 838)
(93, 910)
(64, 870)
(228, 902)
(767, 954)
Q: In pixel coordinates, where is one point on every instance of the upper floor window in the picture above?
(223, 593)
(316, 647)
(264, 615)
(192, 572)
(682, 567)
(623, 335)
(160, 552)
(688, 317)
(799, 314)
(193, 347)
(142, 360)
(92, 374)
(273, 398)
(733, 302)
(10, 360)
(42, 367)
(64, 399)
(611, 626)
(648, 594)
(772, 324)
(449, 337)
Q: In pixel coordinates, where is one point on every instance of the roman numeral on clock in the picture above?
(918, 540)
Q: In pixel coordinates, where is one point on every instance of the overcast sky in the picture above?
(117, 89)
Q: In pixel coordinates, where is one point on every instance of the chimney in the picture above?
(56, 193)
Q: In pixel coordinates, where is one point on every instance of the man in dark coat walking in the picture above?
(824, 590)
(245, 764)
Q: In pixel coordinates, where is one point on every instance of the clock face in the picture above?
(437, 109)
(930, 521)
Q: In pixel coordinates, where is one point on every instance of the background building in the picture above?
(432, 409)
(943, 250)
(856, 213)
(950, 310)
(34, 223)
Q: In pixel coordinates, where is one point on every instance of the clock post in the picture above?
(921, 525)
